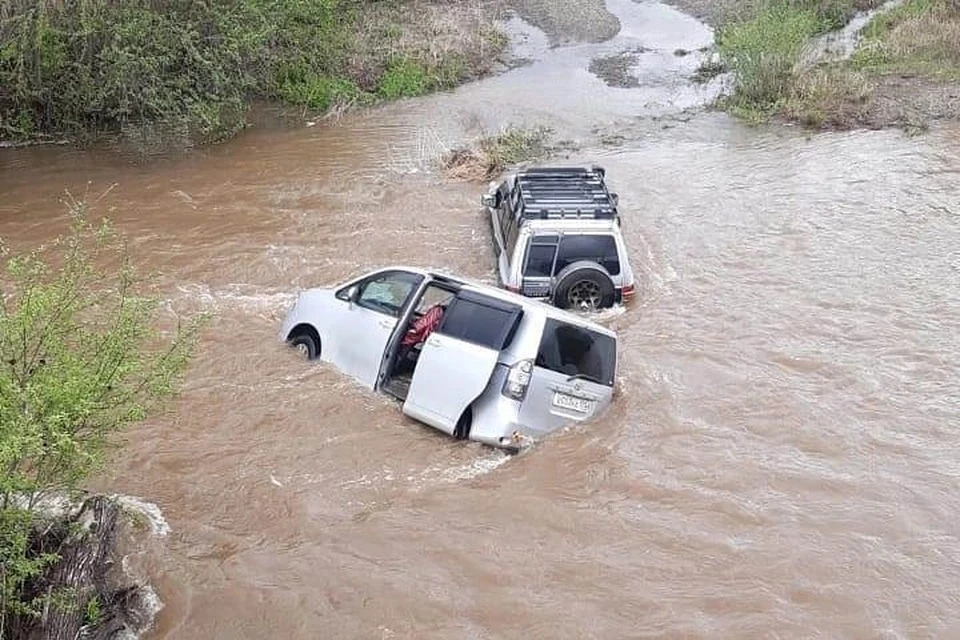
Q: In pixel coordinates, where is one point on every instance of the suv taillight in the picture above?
(518, 379)
(627, 292)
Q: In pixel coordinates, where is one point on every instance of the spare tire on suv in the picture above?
(584, 286)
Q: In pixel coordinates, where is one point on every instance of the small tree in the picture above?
(81, 358)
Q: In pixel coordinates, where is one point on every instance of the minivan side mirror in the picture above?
(353, 293)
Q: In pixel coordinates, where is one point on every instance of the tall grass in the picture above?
(832, 96)
(918, 37)
(763, 52)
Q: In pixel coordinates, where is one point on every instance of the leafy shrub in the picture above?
(81, 360)
(405, 78)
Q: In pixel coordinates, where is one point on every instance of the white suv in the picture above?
(496, 367)
(557, 236)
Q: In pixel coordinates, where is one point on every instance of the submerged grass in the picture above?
(489, 155)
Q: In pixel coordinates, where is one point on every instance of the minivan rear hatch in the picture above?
(573, 375)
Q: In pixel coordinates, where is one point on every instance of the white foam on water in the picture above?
(152, 606)
(605, 315)
(475, 468)
(241, 296)
(150, 511)
(152, 600)
(57, 505)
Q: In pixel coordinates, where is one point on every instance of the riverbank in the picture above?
(171, 74)
(84, 588)
(903, 69)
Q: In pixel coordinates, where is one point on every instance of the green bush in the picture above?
(95, 65)
(405, 78)
(188, 68)
(81, 359)
(318, 92)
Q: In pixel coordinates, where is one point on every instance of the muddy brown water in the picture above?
(783, 457)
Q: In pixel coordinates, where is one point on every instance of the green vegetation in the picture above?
(513, 145)
(491, 154)
(404, 77)
(765, 51)
(831, 96)
(94, 613)
(93, 66)
(920, 37)
(80, 360)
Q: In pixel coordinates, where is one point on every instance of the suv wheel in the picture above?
(584, 286)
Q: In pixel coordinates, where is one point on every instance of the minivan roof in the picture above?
(508, 296)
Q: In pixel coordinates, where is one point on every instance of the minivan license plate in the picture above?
(564, 401)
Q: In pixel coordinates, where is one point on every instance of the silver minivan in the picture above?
(471, 360)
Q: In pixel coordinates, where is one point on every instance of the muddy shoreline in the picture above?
(92, 592)
(905, 101)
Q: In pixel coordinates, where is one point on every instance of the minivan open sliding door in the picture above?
(459, 358)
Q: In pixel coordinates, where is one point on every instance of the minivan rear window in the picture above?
(481, 321)
(577, 351)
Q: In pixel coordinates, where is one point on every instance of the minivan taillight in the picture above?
(518, 379)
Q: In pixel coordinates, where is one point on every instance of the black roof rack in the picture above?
(564, 192)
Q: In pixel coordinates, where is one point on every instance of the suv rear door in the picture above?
(573, 375)
(458, 359)
(549, 253)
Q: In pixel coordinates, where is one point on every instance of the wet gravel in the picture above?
(615, 69)
(569, 21)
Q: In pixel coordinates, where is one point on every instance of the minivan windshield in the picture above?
(577, 352)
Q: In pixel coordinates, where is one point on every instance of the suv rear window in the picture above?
(545, 261)
(577, 351)
(595, 248)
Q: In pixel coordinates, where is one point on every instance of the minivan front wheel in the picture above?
(306, 345)
(584, 288)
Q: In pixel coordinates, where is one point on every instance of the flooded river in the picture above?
(783, 457)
